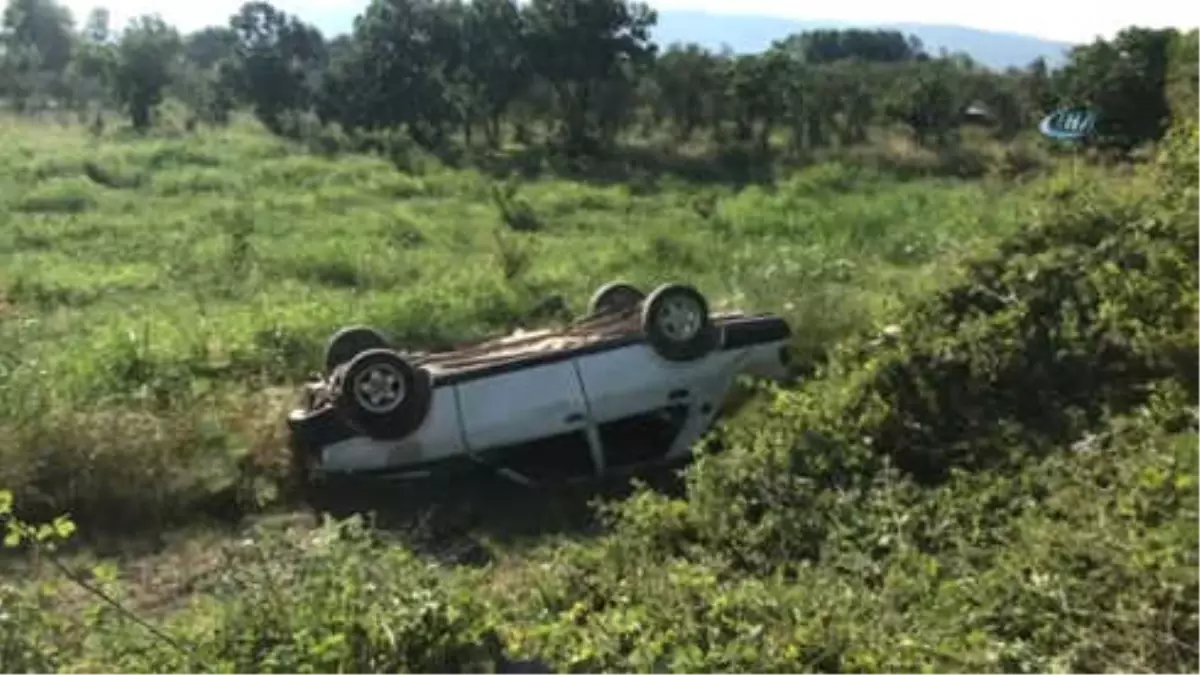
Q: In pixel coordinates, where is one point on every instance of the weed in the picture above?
(515, 211)
(1003, 479)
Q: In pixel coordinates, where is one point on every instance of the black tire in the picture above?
(615, 296)
(382, 395)
(674, 332)
(350, 342)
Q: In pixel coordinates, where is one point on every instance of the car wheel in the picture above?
(676, 322)
(616, 296)
(381, 395)
(350, 342)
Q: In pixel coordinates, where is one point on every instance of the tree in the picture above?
(207, 47)
(144, 61)
(93, 66)
(1037, 88)
(496, 59)
(274, 61)
(19, 74)
(687, 78)
(389, 76)
(1124, 81)
(757, 97)
(1001, 95)
(849, 97)
(876, 46)
(35, 48)
(460, 101)
(928, 97)
(43, 26)
(1182, 75)
(585, 50)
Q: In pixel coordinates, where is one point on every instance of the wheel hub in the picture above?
(379, 389)
(680, 319)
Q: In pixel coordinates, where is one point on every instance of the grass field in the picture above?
(161, 297)
(155, 289)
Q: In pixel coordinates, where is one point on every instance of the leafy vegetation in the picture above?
(580, 74)
(973, 489)
(989, 465)
(157, 321)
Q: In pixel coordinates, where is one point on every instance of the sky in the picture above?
(1072, 21)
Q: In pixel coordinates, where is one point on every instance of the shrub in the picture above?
(1085, 561)
(30, 630)
(961, 161)
(334, 600)
(1018, 160)
(1005, 483)
(65, 195)
(515, 211)
(1070, 321)
(1179, 163)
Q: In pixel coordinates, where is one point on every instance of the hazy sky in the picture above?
(1075, 21)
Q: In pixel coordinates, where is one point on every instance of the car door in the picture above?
(641, 402)
(529, 418)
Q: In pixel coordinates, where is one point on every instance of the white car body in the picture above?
(565, 411)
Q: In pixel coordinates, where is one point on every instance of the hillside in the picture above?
(984, 459)
(157, 290)
(171, 281)
(744, 33)
(748, 34)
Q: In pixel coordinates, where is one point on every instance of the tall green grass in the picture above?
(1003, 481)
(156, 289)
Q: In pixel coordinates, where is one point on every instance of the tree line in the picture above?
(585, 70)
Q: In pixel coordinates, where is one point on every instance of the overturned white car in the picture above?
(637, 381)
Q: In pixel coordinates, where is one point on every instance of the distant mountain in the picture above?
(748, 33)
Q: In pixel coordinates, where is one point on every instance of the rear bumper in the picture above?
(764, 339)
(750, 331)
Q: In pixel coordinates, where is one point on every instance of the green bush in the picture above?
(350, 606)
(65, 195)
(1084, 562)
(1006, 482)
(1179, 163)
(330, 599)
(31, 631)
(1067, 323)
(1003, 480)
(1019, 160)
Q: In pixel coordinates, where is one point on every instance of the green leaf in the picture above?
(105, 572)
(12, 539)
(6, 502)
(64, 527)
